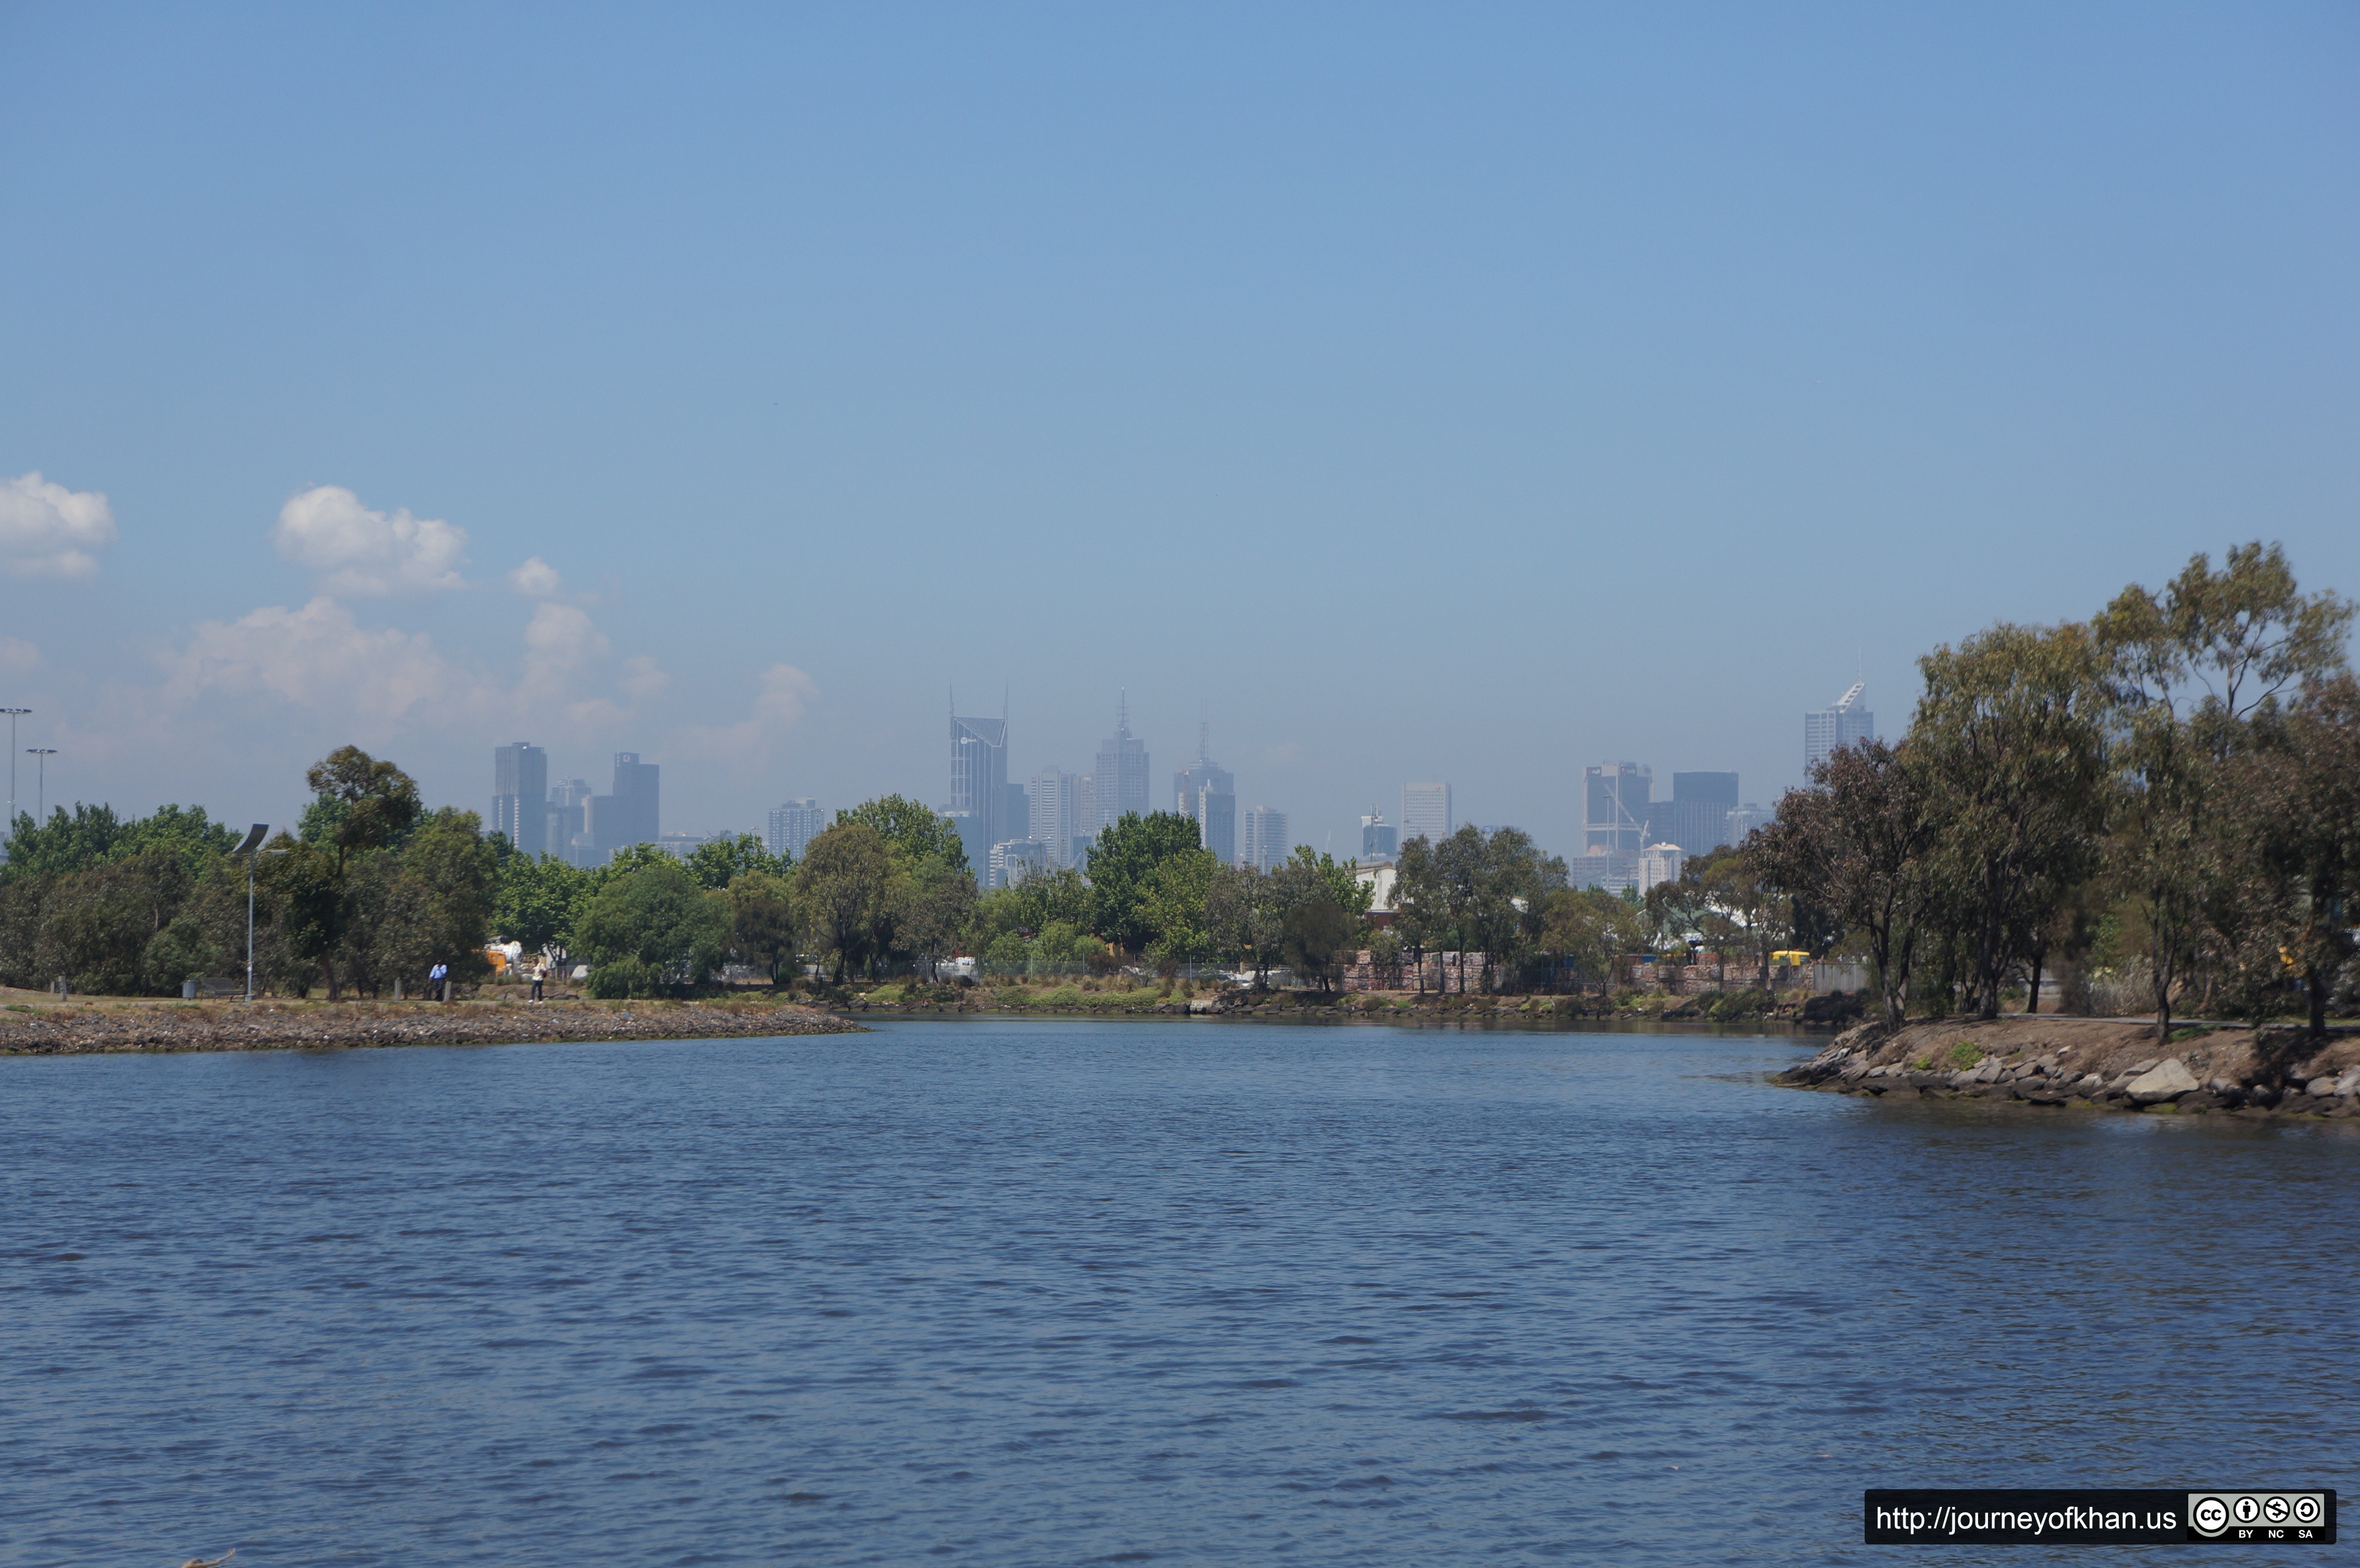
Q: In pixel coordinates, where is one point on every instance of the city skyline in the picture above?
(450, 462)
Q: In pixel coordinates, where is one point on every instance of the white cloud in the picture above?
(536, 579)
(785, 694)
(357, 550)
(319, 657)
(18, 656)
(559, 641)
(47, 530)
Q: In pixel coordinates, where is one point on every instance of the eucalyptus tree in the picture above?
(2187, 671)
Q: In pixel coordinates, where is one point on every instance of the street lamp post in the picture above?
(40, 797)
(253, 842)
(14, 714)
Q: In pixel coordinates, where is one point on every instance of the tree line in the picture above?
(2168, 790)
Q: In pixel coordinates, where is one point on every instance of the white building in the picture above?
(1846, 723)
(1426, 813)
(1053, 826)
(795, 825)
(1266, 845)
(1659, 863)
(1015, 859)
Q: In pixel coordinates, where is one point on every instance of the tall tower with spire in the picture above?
(1206, 794)
(1120, 783)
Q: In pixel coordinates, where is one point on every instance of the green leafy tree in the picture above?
(1243, 921)
(932, 901)
(359, 803)
(1174, 908)
(2302, 790)
(842, 890)
(1316, 934)
(536, 901)
(722, 861)
(762, 924)
(1122, 871)
(2011, 732)
(67, 842)
(911, 832)
(652, 930)
(1861, 843)
(2188, 671)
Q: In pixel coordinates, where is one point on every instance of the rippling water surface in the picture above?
(1015, 1293)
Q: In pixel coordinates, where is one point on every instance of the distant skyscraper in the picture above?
(1121, 778)
(1014, 860)
(1698, 818)
(568, 819)
(795, 825)
(1206, 794)
(1659, 863)
(1266, 845)
(520, 795)
(1615, 807)
(1746, 819)
(1380, 839)
(631, 815)
(978, 787)
(1085, 816)
(1846, 723)
(1426, 813)
(1051, 797)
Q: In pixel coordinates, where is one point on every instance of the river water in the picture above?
(1017, 1292)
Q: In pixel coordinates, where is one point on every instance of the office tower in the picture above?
(520, 795)
(1846, 723)
(1615, 807)
(795, 825)
(978, 787)
(1051, 822)
(568, 819)
(1086, 817)
(1121, 777)
(1015, 812)
(638, 821)
(1698, 818)
(1746, 819)
(1015, 859)
(1206, 794)
(1380, 839)
(1426, 813)
(1659, 863)
(1265, 846)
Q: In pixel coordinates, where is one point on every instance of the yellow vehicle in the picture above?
(1789, 957)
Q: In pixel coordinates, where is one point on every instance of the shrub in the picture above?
(1965, 1054)
(1062, 997)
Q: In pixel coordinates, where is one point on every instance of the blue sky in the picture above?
(1472, 393)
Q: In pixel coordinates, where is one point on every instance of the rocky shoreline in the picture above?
(2094, 1064)
(113, 1026)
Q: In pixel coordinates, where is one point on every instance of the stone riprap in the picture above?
(2094, 1063)
(43, 1031)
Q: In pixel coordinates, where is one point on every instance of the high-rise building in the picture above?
(1086, 817)
(1265, 846)
(1746, 819)
(1659, 863)
(795, 825)
(1050, 817)
(1015, 859)
(1121, 777)
(1698, 817)
(1426, 813)
(1206, 794)
(1845, 722)
(978, 787)
(568, 819)
(1380, 839)
(1615, 807)
(519, 796)
(631, 815)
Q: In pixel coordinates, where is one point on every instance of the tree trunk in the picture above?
(2032, 997)
(2314, 984)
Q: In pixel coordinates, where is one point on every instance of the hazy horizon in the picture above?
(1409, 395)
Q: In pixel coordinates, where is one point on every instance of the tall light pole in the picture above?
(253, 842)
(40, 799)
(14, 714)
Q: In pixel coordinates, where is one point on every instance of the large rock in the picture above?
(2169, 1079)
